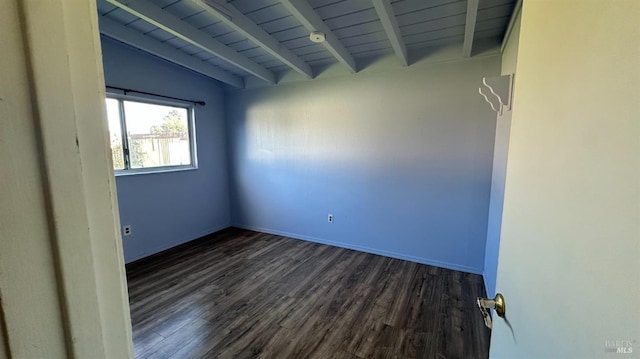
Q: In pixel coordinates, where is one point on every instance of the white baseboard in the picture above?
(188, 239)
(420, 260)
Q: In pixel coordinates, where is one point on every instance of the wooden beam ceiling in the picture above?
(302, 11)
(262, 30)
(239, 22)
(390, 25)
(175, 26)
(470, 27)
(136, 39)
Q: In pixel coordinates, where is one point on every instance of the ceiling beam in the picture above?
(390, 25)
(235, 19)
(470, 27)
(136, 39)
(302, 11)
(175, 26)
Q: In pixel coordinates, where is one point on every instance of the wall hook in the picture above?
(499, 92)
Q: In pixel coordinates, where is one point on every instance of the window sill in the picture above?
(146, 171)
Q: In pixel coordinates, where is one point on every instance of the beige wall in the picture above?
(61, 266)
(23, 218)
(3, 336)
(570, 248)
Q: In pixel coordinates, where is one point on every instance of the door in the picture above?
(569, 262)
(63, 288)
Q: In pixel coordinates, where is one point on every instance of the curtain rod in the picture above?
(201, 103)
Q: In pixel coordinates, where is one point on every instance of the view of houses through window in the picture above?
(149, 136)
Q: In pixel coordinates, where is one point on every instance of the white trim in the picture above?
(512, 21)
(152, 170)
(432, 262)
(64, 292)
(191, 127)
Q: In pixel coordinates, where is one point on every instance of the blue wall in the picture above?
(166, 209)
(402, 159)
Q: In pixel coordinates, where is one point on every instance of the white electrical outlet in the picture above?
(126, 230)
(330, 218)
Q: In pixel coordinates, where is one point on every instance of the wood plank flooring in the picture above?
(243, 294)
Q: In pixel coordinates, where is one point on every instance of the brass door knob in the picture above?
(501, 306)
(497, 303)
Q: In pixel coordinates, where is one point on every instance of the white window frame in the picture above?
(125, 139)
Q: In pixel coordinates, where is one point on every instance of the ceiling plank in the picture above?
(302, 11)
(390, 25)
(136, 39)
(235, 19)
(172, 24)
(470, 27)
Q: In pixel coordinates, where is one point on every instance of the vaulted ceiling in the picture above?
(232, 40)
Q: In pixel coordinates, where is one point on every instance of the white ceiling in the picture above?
(230, 40)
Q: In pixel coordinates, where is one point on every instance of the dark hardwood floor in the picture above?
(243, 294)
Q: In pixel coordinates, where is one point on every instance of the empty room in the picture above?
(320, 179)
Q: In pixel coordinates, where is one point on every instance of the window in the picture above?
(150, 136)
